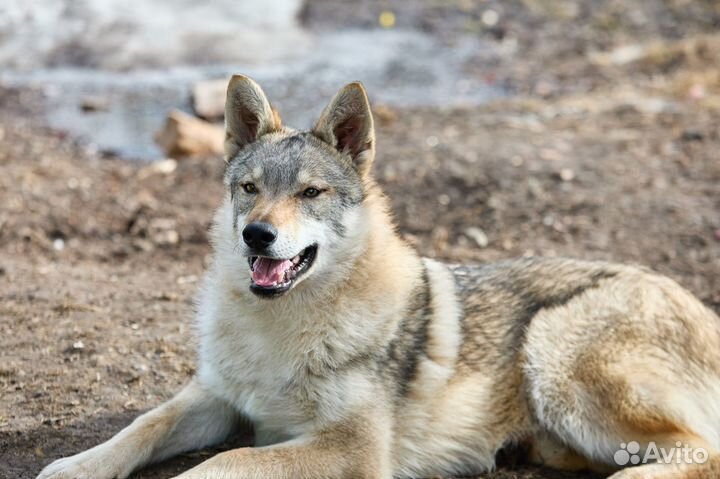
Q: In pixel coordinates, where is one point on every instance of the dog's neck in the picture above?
(362, 308)
(366, 308)
(389, 266)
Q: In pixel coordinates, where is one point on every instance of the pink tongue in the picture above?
(267, 272)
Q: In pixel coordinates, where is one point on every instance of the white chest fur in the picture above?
(271, 364)
(240, 364)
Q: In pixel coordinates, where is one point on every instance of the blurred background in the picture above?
(505, 128)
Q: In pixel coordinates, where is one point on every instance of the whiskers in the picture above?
(236, 247)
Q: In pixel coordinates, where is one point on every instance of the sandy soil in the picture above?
(100, 257)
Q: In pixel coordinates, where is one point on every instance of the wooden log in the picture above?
(184, 135)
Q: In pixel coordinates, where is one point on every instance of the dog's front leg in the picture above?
(351, 449)
(191, 420)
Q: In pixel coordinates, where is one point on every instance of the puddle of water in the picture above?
(400, 68)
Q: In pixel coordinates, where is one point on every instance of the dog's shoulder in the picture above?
(499, 300)
(537, 282)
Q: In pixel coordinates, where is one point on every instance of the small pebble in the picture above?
(478, 236)
(94, 103)
(165, 166)
(187, 279)
(490, 17)
(566, 174)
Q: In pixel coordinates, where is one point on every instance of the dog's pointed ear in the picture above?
(347, 124)
(248, 115)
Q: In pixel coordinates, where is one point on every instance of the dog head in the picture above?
(296, 195)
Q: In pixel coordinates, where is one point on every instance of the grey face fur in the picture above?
(271, 168)
(284, 165)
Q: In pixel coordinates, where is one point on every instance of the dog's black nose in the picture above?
(259, 235)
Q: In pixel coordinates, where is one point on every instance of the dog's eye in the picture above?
(249, 188)
(311, 192)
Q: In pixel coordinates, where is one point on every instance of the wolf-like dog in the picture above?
(353, 357)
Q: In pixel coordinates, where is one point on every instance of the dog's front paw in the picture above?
(95, 463)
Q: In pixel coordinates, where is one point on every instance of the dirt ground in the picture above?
(592, 158)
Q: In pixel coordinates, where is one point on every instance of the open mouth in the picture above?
(273, 276)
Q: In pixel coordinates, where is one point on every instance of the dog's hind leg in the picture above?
(618, 408)
(191, 420)
(622, 421)
(627, 369)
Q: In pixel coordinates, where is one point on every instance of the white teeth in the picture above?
(296, 260)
